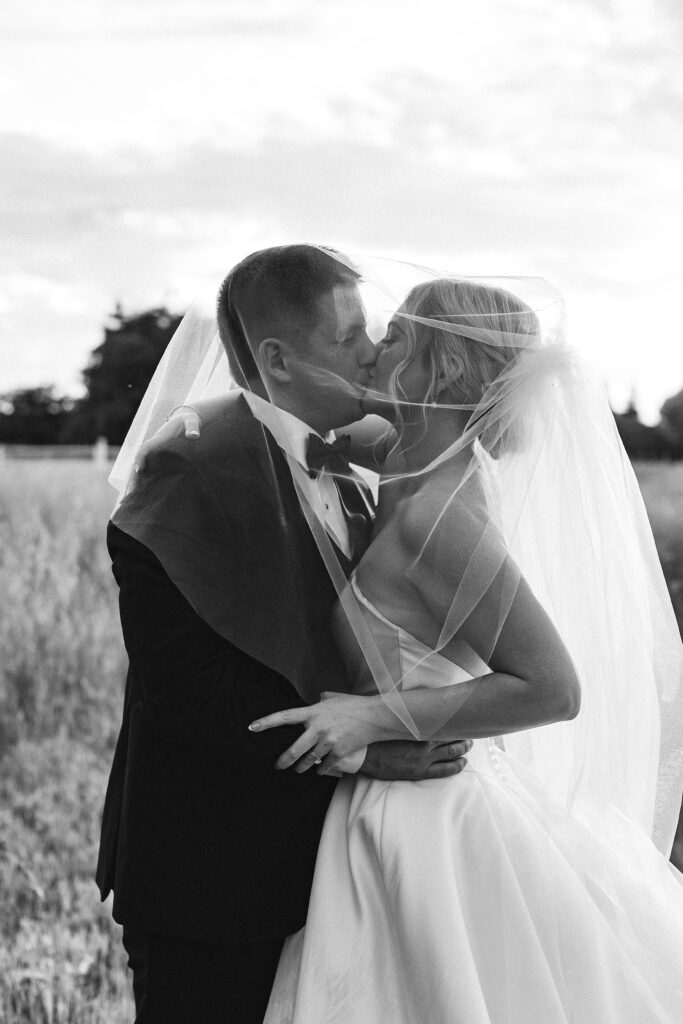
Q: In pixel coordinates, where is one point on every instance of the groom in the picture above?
(225, 608)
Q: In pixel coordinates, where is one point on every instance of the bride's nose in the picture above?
(380, 349)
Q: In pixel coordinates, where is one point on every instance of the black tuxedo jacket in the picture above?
(201, 836)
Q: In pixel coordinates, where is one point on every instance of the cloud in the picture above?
(147, 144)
(151, 74)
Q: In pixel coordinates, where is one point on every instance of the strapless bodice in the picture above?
(407, 659)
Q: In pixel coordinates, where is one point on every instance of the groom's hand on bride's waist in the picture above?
(408, 759)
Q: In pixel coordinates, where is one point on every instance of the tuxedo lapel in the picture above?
(357, 514)
(272, 462)
(222, 516)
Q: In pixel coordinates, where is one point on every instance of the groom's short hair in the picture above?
(274, 293)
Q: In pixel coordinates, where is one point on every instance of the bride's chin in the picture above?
(374, 403)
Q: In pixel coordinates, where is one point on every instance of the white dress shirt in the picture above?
(291, 435)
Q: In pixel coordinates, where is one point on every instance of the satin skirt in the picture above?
(475, 900)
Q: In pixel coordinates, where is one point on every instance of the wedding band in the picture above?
(316, 757)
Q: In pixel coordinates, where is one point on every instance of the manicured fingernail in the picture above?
(254, 726)
(192, 433)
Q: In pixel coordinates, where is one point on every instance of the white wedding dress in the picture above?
(475, 900)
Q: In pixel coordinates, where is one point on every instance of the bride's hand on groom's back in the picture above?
(408, 759)
(341, 723)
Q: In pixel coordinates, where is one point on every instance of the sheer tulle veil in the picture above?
(544, 491)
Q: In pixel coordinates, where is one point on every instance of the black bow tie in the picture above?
(335, 456)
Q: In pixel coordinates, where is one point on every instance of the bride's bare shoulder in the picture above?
(442, 522)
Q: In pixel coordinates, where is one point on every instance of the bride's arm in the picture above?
(372, 438)
(533, 681)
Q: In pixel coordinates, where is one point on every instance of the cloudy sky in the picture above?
(148, 144)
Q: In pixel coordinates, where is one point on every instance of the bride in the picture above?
(475, 899)
(510, 594)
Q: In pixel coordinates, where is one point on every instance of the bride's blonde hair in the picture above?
(458, 365)
(461, 369)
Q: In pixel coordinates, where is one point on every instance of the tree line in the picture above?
(115, 379)
(121, 367)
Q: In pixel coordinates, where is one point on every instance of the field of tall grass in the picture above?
(61, 677)
(62, 671)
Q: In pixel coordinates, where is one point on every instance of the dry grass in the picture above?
(61, 680)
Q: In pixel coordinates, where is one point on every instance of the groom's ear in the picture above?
(273, 358)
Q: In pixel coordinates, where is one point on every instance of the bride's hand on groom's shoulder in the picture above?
(182, 422)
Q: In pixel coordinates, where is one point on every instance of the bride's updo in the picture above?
(460, 369)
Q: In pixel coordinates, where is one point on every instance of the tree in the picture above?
(33, 416)
(672, 421)
(639, 440)
(118, 374)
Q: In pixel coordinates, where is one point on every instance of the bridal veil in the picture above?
(546, 493)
